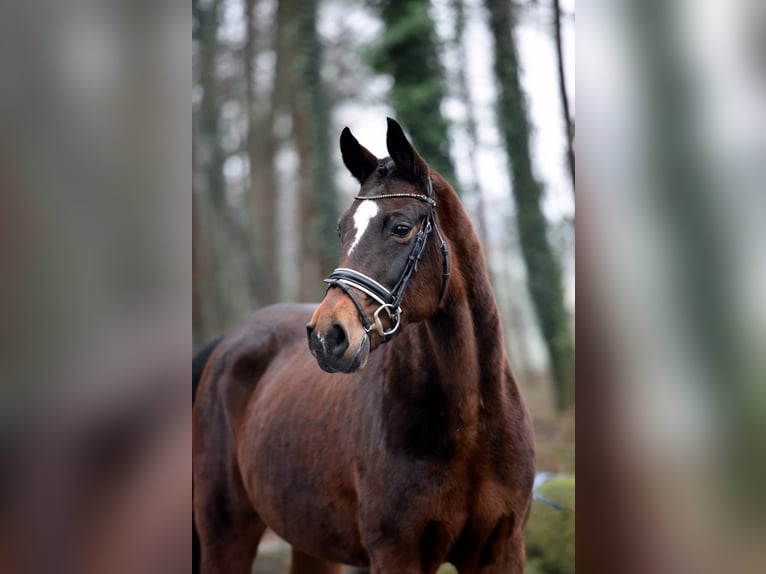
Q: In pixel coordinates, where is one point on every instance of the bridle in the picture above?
(390, 301)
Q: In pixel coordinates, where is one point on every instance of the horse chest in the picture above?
(439, 516)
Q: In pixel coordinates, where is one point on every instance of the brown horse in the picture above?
(411, 446)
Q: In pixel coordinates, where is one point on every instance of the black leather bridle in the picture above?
(390, 301)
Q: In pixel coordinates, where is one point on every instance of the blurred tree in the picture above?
(409, 52)
(207, 135)
(261, 150)
(310, 114)
(198, 299)
(230, 284)
(683, 188)
(543, 270)
(207, 162)
(569, 127)
(463, 94)
(311, 117)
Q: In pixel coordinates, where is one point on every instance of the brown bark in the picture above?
(568, 123)
(464, 94)
(198, 314)
(261, 149)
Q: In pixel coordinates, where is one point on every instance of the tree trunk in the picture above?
(464, 95)
(543, 271)
(310, 113)
(566, 113)
(208, 133)
(409, 53)
(198, 312)
(261, 152)
(231, 281)
(207, 161)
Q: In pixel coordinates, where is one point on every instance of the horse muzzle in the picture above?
(335, 351)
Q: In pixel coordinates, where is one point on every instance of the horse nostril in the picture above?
(310, 330)
(337, 339)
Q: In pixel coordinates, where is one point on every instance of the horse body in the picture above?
(422, 456)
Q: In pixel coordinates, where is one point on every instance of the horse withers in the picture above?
(397, 439)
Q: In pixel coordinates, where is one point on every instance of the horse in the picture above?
(397, 439)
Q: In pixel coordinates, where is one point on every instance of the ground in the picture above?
(554, 432)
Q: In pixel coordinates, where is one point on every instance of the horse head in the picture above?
(394, 263)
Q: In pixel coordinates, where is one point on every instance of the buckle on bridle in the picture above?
(394, 314)
(346, 279)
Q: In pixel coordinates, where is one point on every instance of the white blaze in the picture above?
(362, 217)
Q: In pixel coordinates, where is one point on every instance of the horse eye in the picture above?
(401, 230)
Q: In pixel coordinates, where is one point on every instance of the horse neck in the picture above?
(446, 369)
(467, 331)
(470, 312)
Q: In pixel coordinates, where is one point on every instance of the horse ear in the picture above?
(359, 160)
(404, 155)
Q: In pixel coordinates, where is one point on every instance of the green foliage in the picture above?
(409, 52)
(550, 533)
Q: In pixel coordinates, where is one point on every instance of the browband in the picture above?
(427, 199)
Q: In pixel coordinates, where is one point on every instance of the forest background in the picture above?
(485, 89)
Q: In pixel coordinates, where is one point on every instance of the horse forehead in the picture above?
(362, 216)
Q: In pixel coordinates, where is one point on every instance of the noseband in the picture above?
(390, 301)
